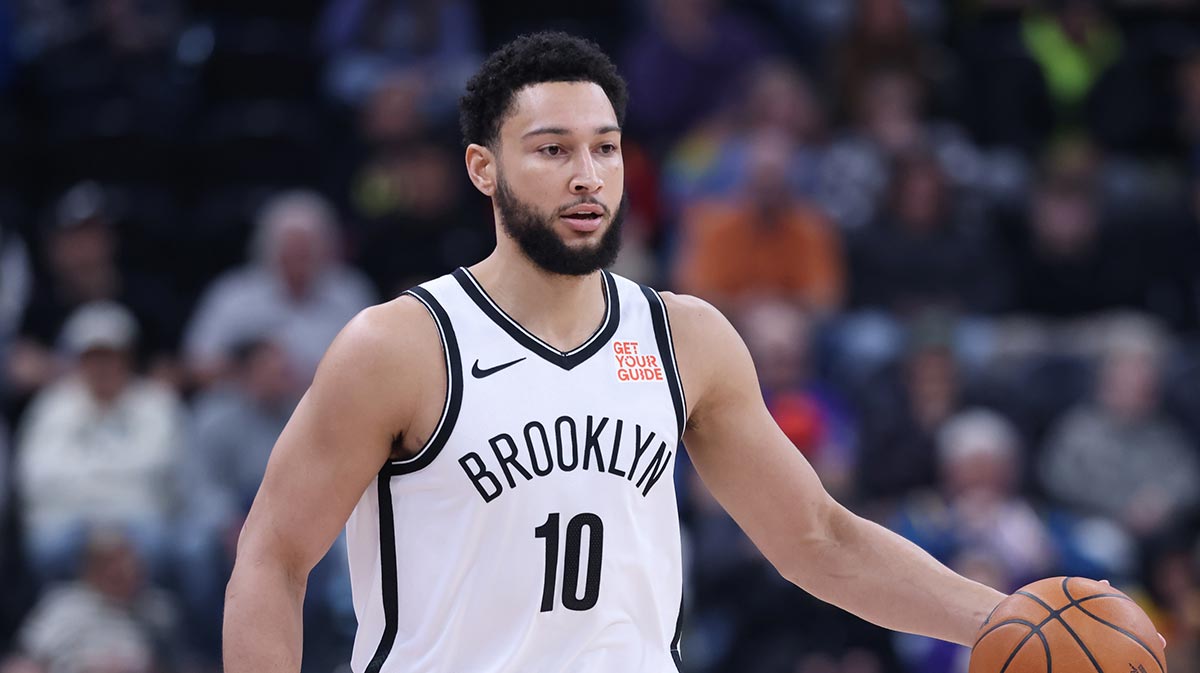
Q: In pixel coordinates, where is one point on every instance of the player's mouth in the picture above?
(584, 218)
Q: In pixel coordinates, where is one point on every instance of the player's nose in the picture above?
(586, 178)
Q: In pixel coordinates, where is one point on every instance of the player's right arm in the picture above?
(367, 391)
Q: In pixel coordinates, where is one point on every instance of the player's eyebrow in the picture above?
(560, 131)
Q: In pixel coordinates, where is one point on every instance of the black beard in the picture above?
(534, 233)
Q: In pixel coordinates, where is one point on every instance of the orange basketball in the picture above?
(1067, 625)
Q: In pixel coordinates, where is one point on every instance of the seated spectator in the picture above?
(1170, 247)
(814, 417)
(1073, 43)
(1118, 455)
(977, 506)
(767, 243)
(1173, 583)
(234, 428)
(1068, 263)
(713, 160)
(685, 64)
(110, 619)
(232, 431)
(919, 255)
(100, 446)
(888, 119)
(81, 249)
(295, 291)
(407, 211)
(975, 521)
(880, 33)
(434, 44)
(902, 411)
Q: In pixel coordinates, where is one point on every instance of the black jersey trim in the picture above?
(666, 350)
(387, 562)
(567, 360)
(454, 388)
(676, 652)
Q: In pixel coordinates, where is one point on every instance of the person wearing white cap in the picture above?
(99, 446)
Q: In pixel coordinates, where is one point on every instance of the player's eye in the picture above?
(608, 148)
(551, 150)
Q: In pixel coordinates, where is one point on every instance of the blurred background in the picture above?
(961, 239)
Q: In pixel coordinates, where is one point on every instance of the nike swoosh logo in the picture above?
(483, 373)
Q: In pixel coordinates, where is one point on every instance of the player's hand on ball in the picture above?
(1160, 636)
(1068, 624)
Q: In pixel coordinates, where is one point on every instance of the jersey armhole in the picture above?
(666, 350)
(454, 388)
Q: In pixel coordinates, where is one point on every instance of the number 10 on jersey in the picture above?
(571, 561)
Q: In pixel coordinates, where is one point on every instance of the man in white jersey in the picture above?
(499, 442)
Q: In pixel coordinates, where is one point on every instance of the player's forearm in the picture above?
(887, 580)
(263, 627)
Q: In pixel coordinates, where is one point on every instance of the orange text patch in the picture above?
(633, 366)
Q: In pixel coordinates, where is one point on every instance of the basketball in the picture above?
(1067, 624)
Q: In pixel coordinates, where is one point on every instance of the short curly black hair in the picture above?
(548, 56)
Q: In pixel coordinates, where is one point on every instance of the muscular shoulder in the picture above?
(712, 357)
(385, 356)
(697, 325)
(395, 332)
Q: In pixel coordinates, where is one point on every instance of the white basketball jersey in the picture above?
(537, 531)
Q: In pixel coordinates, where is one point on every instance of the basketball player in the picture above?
(499, 443)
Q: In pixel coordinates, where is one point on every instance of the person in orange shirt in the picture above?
(767, 243)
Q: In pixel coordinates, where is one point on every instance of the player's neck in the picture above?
(561, 310)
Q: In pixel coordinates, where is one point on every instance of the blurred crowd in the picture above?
(961, 239)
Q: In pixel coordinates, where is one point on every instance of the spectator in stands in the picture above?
(1002, 93)
(113, 82)
(435, 43)
(888, 119)
(1174, 588)
(781, 339)
(902, 412)
(920, 254)
(975, 521)
(110, 619)
(405, 201)
(767, 243)
(1068, 263)
(977, 507)
(722, 566)
(295, 291)
(1118, 455)
(685, 65)
(100, 446)
(713, 160)
(880, 34)
(232, 431)
(1073, 43)
(81, 248)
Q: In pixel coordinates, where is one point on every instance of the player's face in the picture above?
(560, 177)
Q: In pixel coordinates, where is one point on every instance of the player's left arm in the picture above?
(772, 492)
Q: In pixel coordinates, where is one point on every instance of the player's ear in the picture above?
(481, 167)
